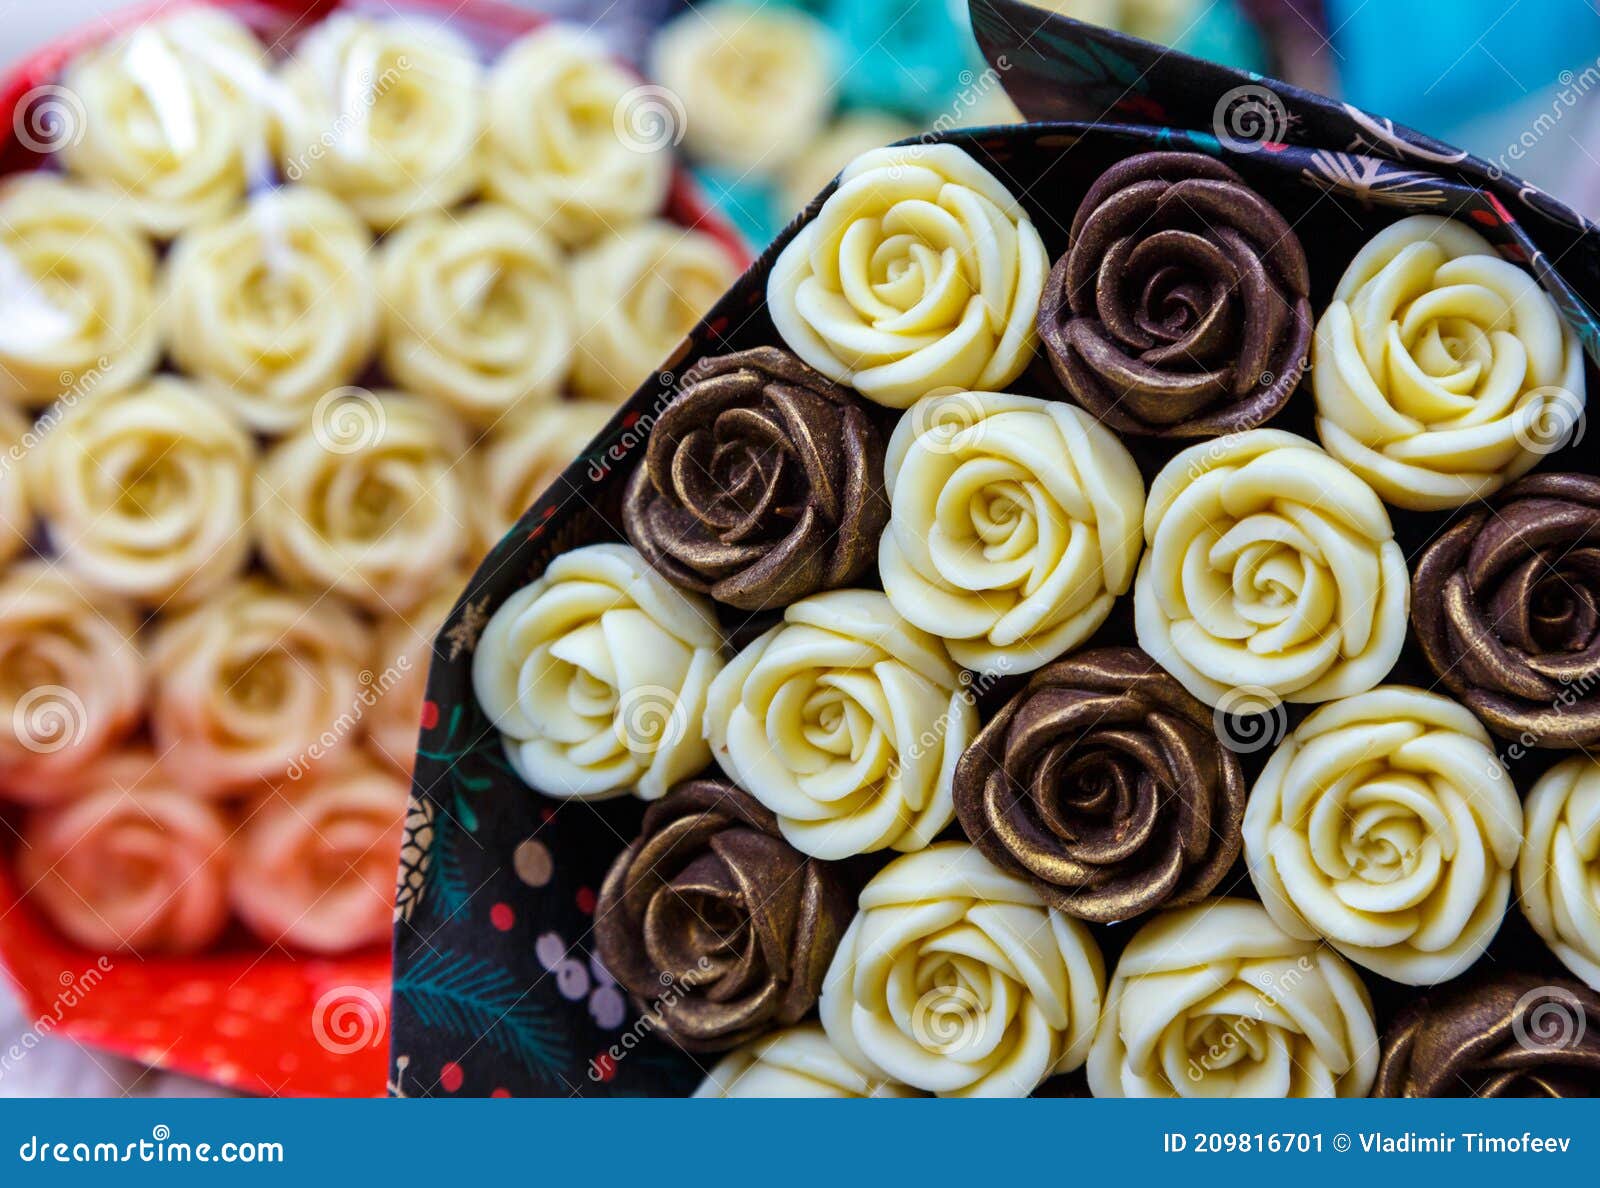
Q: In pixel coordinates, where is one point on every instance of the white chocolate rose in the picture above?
(1269, 566)
(145, 493)
(476, 311)
(369, 499)
(314, 863)
(1558, 873)
(529, 453)
(133, 862)
(1385, 825)
(755, 82)
(404, 649)
(174, 118)
(573, 139)
(596, 676)
(254, 684)
(854, 133)
(954, 978)
(636, 296)
(1216, 1000)
(921, 271)
(77, 292)
(16, 510)
(276, 305)
(846, 721)
(385, 114)
(795, 1062)
(72, 682)
(1442, 371)
(1014, 525)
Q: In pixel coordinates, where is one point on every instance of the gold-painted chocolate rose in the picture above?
(1180, 308)
(717, 927)
(1104, 784)
(1506, 1034)
(1385, 825)
(920, 272)
(762, 483)
(1014, 525)
(846, 721)
(1269, 569)
(956, 979)
(1442, 371)
(795, 1062)
(1216, 1000)
(1558, 873)
(1506, 604)
(597, 676)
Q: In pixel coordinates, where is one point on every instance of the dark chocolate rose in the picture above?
(1105, 785)
(715, 925)
(1180, 307)
(1511, 1035)
(1506, 604)
(762, 483)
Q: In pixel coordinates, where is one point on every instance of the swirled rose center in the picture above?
(258, 683)
(915, 278)
(1217, 1045)
(1385, 830)
(1002, 519)
(1454, 352)
(1263, 579)
(486, 295)
(697, 931)
(1562, 613)
(959, 1004)
(835, 723)
(738, 476)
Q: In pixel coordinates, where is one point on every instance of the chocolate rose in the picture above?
(1180, 306)
(1507, 607)
(1513, 1035)
(1104, 784)
(762, 483)
(713, 923)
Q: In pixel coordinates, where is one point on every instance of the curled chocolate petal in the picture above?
(1180, 307)
(1105, 785)
(715, 925)
(1511, 1035)
(762, 483)
(1506, 605)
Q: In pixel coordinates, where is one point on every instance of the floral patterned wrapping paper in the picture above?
(495, 988)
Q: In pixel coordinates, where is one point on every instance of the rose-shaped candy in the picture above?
(1180, 308)
(1216, 1000)
(72, 681)
(146, 493)
(597, 676)
(755, 82)
(795, 1062)
(77, 291)
(1269, 567)
(921, 271)
(133, 862)
(573, 140)
(274, 305)
(636, 295)
(368, 499)
(955, 978)
(1014, 524)
(255, 683)
(846, 721)
(1507, 609)
(16, 509)
(1503, 1035)
(526, 454)
(713, 923)
(1558, 874)
(171, 117)
(1385, 825)
(383, 114)
(1103, 783)
(476, 311)
(762, 483)
(1441, 370)
(314, 863)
